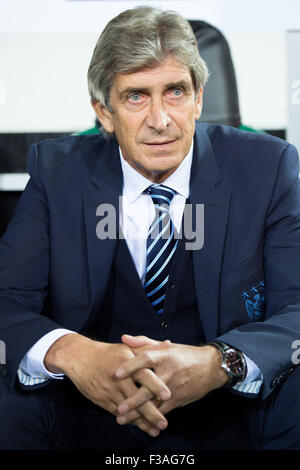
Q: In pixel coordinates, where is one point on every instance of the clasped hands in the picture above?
(139, 380)
(170, 376)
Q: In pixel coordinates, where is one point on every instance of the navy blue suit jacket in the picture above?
(54, 269)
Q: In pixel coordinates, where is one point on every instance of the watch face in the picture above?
(234, 362)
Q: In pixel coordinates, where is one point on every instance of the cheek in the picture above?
(129, 130)
(186, 119)
(123, 132)
(189, 128)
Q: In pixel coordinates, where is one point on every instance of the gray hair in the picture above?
(138, 38)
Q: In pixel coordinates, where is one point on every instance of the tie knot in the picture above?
(161, 195)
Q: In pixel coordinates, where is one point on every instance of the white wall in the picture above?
(46, 45)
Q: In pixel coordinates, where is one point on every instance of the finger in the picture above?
(160, 345)
(152, 387)
(150, 413)
(136, 341)
(143, 395)
(153, 383)
(128, 388)
(146, 427)
(139, 341)
(168, 406)
(142, 423)
(145, 359)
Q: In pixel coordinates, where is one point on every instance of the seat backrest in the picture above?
(220, 97)
(13, 159)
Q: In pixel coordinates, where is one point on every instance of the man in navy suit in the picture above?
(128, 339)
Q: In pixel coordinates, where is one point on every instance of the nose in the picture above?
(158, 118)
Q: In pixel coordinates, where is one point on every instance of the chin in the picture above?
(162, 172)
(164, 161)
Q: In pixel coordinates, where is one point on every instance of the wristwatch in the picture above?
(233, 362)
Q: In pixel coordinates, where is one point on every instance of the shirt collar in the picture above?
(134, 184)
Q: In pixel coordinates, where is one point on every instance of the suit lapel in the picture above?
(207, 187)
(105, 187)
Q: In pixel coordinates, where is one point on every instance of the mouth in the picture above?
(161, 144)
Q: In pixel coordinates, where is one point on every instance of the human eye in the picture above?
(135, 98)
(175, 92)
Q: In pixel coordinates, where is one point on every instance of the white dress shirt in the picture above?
(137, 213)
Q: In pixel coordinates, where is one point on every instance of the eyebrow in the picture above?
(180, 84)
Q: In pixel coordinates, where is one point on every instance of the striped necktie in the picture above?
(161, 246)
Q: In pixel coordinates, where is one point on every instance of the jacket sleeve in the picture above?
(269, 343)
(24, 272)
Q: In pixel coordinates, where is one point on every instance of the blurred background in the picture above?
(252, 49)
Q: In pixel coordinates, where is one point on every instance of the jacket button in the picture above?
(164, 324)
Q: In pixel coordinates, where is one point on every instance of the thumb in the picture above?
(139, 341)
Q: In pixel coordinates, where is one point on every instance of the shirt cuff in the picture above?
(253, 371)
(253, 381)
(32, 364)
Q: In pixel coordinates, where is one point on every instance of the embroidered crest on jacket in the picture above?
(255, 301)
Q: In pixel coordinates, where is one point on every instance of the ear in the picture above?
(198, 104)
(104, 116)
